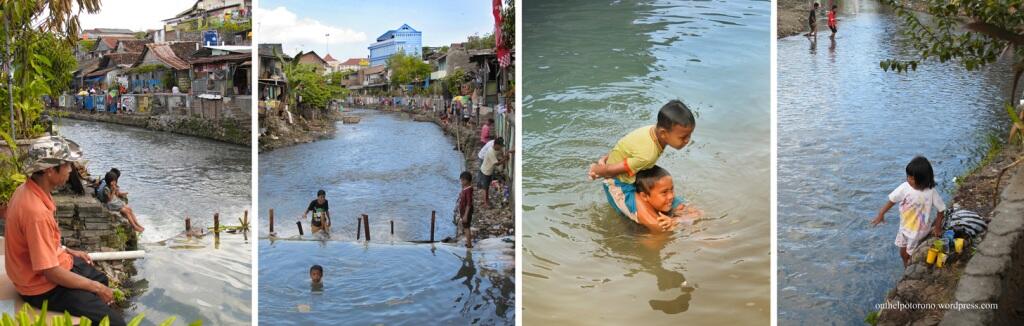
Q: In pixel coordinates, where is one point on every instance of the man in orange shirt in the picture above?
(36, 262)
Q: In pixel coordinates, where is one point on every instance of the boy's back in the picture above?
(639, 149)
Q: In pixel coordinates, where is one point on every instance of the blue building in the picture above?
(402, 39)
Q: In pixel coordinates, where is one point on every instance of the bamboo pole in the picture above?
(299, 224)
(359, 227)
(433, 218)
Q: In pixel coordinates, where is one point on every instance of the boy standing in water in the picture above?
(321, 219)
(812, 20)
(639, 150)
(832, 20)
(464, 207)
(916, 197)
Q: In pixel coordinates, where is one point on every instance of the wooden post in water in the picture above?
(188, 225)
(366, 226)
(433, 217)
(271, 221)
(392, 227)
(216, 224)
(359, 227)
(245, 223)
(299, 224)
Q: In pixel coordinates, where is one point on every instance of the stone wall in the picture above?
(994, 274)
(228, 130)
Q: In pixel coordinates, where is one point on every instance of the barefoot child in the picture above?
(916, 197)
(832, 20)
(639, 150)
(111, 197)
(465, 207)
(812, 20)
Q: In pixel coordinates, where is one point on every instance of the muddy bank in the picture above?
(495, 221)
(792, 17)
(923, 283)
(277, 132)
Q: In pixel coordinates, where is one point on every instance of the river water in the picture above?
(847, 129)
(392, 169)
(168, 177)
(386, 166)
(599, 69)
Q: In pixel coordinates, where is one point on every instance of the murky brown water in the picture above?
(598, 69)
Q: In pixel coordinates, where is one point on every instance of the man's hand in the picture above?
(104, 292)
(80, 254)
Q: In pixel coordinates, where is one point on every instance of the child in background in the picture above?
(916, 197)
(321, 219)
(639, 150)
(465, 207)
(111, 196)
(812, 20)
(832, 20)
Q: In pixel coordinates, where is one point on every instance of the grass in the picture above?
(995, 146)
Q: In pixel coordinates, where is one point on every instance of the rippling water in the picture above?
(168, 177)
(599, 69)
(399, 284)
(386, 166)
(390, 168)
(846, 131)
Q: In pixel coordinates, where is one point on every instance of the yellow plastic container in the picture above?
(958, 244)
(931, 256)
(941, 260)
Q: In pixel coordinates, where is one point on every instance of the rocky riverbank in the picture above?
(981, 275)
(498, 219)
(278, 132)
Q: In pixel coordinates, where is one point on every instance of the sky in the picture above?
(133, 14)
(353, 25)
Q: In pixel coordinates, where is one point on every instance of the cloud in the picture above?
(134, 15)
(279, 25)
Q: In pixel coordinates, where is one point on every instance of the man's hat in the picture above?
(50, 151)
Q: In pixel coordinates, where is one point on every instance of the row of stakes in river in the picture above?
(362, 226)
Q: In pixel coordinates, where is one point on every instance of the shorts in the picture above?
(833, 28)
(115, 204)
(909, 240)
(622, 197)
(482, 180)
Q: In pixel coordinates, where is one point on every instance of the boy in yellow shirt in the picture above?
(639, 150)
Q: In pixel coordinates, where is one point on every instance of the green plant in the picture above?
(872, 318)
(22, 318)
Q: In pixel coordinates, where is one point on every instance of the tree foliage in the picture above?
(973, 33)
(406, 69)
(453, 82)
(508, 24)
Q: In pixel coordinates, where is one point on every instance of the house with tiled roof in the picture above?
(158, 69)
(314, 59)
(131, 45)
(354, 64)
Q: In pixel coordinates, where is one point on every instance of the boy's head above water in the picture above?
(316, 274)
(675, 124)
(655, 187)
(321, 196)
(919, 173)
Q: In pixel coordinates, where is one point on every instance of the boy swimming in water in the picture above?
(655, 199)
(638, 151)
(316, 275)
